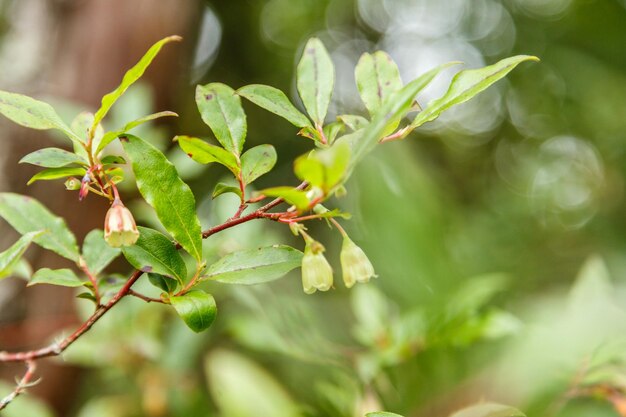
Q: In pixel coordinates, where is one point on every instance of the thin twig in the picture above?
(22, 384)
(145, 297)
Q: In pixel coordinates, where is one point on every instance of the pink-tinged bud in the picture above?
(119, 226)
(84, 187)
(355, 265)
(317, 273)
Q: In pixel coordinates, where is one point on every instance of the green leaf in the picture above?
(11, 256)
(26, 215)
(394, 108)
(97, 254)
(222, 188)
(196, 308)
(63, 277)
(377, 78)
(382, 414)
(354, 122)
(162, 188)
(468, 83)
(81, 125)
(205, 153)
(489, 410)
(35, 114)
(290, 194)
(56, 173)
(333, 129)
(324, 168)
(255, 266)
(221, 109)
(315, 77)
(162, 282)
(112, 159)
(129, 79)
(51, 158)
(154, 252)
(108, 138)
(256, 162)
(275, 101)
(148, 118)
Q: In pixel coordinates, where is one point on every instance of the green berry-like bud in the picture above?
(355, 265)
(317, 273)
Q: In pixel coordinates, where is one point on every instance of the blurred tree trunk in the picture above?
(76, 50)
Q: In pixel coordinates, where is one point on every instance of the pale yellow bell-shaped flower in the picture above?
(119, 226)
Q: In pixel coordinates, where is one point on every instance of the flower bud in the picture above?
(317, 273)
(355, 265)
(119, 226)
(84, 187)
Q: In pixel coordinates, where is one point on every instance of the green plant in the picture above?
(164, 258)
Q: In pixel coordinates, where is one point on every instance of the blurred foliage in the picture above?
(477, 224)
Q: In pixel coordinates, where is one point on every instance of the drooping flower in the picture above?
(119, 226)
(355, 265)
(317, 273)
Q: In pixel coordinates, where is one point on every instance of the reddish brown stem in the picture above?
(145, 297)
(22, 384)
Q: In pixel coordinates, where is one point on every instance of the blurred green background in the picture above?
(497, 231)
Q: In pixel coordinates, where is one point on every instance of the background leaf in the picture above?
(377, 77)
(382, 414)
(315, 78)
(163, 189)
(129, 79)
(257, 161)
(63, 277)
(221, 188)
(489, 410)
(153, 252)
(196, 308)
(468, 83)
(26, 215)
(255, 266)
(51, 158)
(97, 254)
(221, 109)
(35, 114)
(11, 256)
(275, 101)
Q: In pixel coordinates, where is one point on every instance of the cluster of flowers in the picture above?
(317, 274)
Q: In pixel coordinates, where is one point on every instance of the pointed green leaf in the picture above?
(468, 83)
(108, 138)
(354, 122)
(255, 266)
(205, 153)
(332, 130)
(222, 188)
(162, 188)
(35, 114)
(196, 308)
(153, 252)
(26, 215)
(97, 254)
(221, 109)
(129, 79)
(275, 101)
(489, 410)
(377, 78)
(81, 125)
(290, 194)
(63, 277)
(396, 107)
(56, 173)
(51, 158)
(11, 256)
(148, 118)
(256, 162)
(315, 77)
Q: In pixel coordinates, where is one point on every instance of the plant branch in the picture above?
(22, 384)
